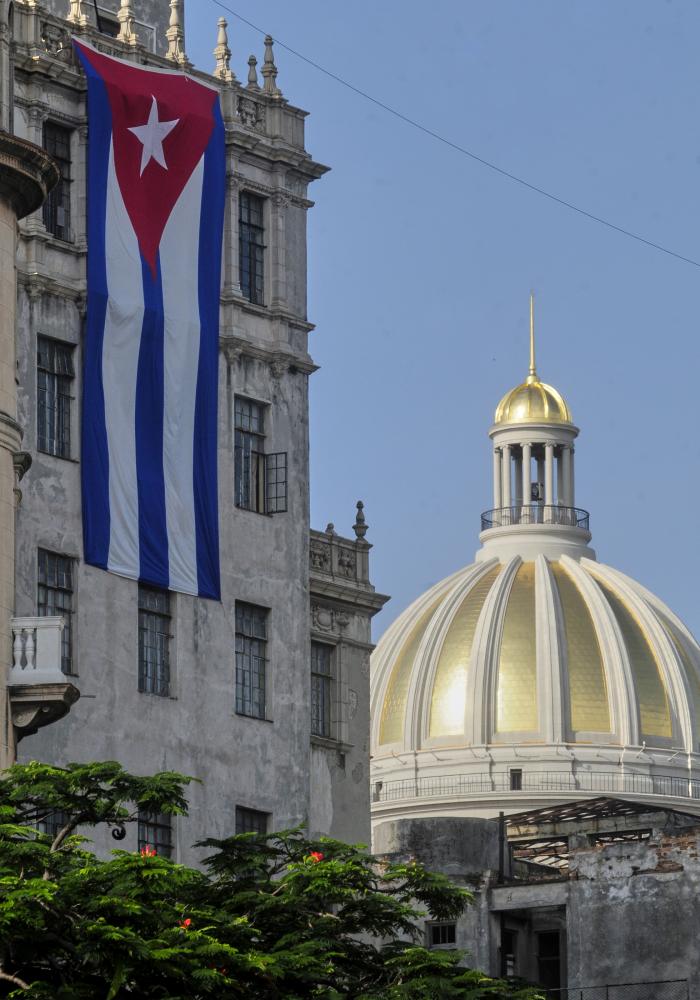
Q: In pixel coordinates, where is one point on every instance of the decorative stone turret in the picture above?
(269, 70)
(252, 73)
(222, 54)
(76, 14)
(176, 35)
(125, 17)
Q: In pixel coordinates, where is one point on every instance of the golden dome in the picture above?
(533, 402)
(471, 661)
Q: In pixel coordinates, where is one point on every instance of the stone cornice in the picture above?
(235, 347)
(45, 284)
(358, 595)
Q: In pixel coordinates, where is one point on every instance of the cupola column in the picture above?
(549, 474)
(527, 459)
(506, 477)
(567, 468)
(497, 478)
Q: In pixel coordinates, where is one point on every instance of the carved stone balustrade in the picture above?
(40, 693)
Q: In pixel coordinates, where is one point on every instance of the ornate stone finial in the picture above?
(532, 373)
(269, 70)
(125, 16)
(330, 528)
(222, 53)
(252, 73)
(176, 34)
(360, 526)
(76, 15)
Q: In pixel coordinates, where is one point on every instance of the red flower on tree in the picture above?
(315, 856)
(148, 851)
(186, 924)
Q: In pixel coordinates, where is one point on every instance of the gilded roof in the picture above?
(533, 402)
(479, 656)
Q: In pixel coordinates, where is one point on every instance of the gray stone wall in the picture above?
(343, 602)
(270, 765)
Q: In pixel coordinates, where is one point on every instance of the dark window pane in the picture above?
(251, 649)
(249, 459)
(252, 247)
(276, 483)
(251, 820)
(321, 689)
(53, 823)
(54, 385)
(442, 934)
(55, 597)
(57, 205)
(154, 641)
(156, 832)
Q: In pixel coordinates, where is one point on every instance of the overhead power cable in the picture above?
(458, 148)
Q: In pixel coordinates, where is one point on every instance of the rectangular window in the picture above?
(154, 640)
(57, 205)
(54, 381)
(321, 680)
(251, 820)
(252, 246)
(251, 649)
(53, 823)
(441, 935)
(516, 779)
(55, 597)
(156, 832)
(260, 480)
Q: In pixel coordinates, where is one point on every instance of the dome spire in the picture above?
(532, 374)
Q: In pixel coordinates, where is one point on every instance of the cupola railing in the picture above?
(535, 513)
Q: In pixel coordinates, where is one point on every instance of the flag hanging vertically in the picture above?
(156, 183)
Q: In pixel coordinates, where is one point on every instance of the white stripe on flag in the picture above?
(180, 277)
(120, 359)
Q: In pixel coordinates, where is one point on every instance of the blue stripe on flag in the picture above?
(150, 394)
(206, 405)
(95, 454)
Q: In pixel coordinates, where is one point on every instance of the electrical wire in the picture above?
(461, 149)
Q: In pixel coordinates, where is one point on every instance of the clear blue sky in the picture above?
(421, 262)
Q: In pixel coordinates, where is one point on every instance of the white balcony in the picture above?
(40, 693)
(36, 651)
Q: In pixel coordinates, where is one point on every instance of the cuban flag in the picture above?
(156, 185)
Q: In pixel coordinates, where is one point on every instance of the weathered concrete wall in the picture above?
(464, 848)
(634, 911)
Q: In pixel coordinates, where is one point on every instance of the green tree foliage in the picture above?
(274, 916)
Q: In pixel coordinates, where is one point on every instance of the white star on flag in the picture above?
(151, 135)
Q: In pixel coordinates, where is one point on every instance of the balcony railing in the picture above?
(36, 651)
(454, 785)
(535, 513)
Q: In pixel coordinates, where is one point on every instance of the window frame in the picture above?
(156, 682)
(48, 609)
(260, 478)
(325, 681)
(435, 928)
(251, 661)
(62, 439)
(156, 822)
(244, 814)
(59, 199)
(251, 247)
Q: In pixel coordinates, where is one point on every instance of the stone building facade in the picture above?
(225, 691)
